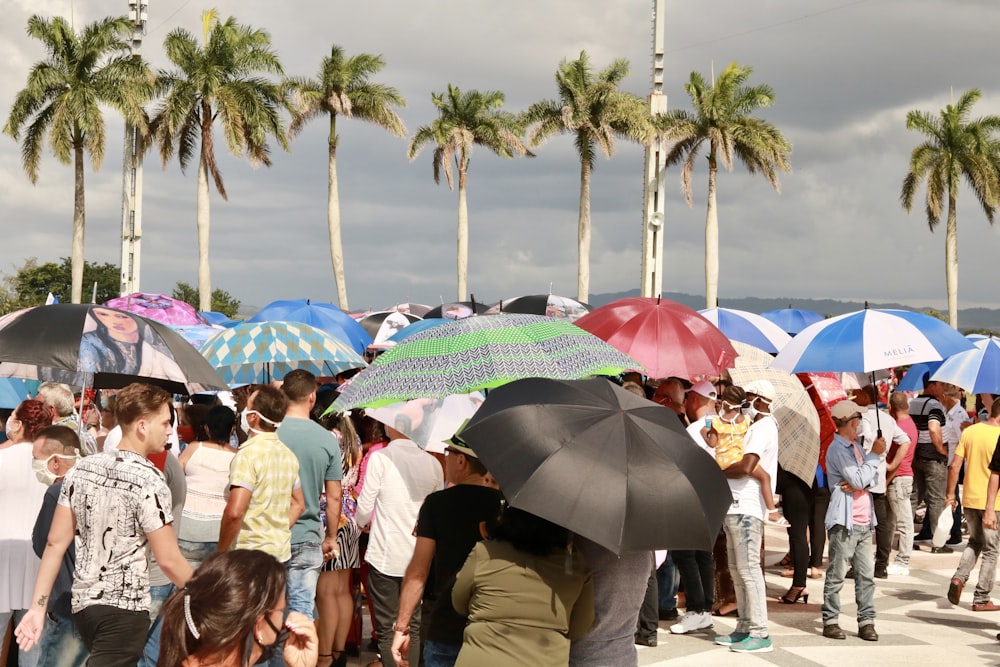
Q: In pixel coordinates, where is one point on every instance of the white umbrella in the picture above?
(429, 421)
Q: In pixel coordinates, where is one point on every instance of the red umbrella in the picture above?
(666, 337)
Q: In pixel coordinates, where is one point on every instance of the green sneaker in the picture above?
(753, 645)
(731, 638)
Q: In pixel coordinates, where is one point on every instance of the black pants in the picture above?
(383, 591)
(697, 571)
(649, 617)
(115, 637)
(797, 500)
(817, 529)
(884, 530)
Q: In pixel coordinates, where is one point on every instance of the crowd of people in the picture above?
(150, 532)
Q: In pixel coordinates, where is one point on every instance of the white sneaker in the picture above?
(898, 569)
(692, 620)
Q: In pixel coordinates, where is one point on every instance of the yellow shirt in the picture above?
(976, 447)
(270, 471)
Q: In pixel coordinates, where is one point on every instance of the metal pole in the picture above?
(653, 185)
(132, 174)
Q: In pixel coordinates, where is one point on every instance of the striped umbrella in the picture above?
(481, 353)
(869, 340)
(749, 328)
(254, 352)
(977, 370)
(798, 422)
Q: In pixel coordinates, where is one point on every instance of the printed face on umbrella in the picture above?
(119, 326)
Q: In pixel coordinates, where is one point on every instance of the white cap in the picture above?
(762, 388)
(704, 388)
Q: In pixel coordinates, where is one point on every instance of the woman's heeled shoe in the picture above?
(794, 594)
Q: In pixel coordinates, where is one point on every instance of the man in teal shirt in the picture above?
(320, 469)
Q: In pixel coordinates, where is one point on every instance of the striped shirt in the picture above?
(925, 409)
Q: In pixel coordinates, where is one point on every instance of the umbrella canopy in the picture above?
(457, 310)
(550, 305)
(798, 422)
(601, 462)
(12, 392)
(792, 320)
(481, 353)
(255, 352)
(325, 316)
(197, 334)
(220, 319)
(976, 371)
(417, 327)
(749, 328)
(418, 309)
(667, 338)
(382, 326)
(157, 307)
(95, 345)
(916, 377)
(429, 421)
(869, 340)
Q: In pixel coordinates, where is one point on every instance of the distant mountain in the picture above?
(968, 318)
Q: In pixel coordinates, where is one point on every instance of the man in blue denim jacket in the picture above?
(850, 521)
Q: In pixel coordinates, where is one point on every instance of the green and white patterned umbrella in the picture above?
(481, 353)
(252, 352)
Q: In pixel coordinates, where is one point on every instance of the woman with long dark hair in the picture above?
(233, 613)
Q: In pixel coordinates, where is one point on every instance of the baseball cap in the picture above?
(762, 388)
(704, 388)
(845, 410)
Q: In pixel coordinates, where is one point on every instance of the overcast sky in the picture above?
(844, 72)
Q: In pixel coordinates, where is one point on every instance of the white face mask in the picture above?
(245, 425)
(751, 412)
(42, 472)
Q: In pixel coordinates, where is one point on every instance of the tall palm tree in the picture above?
(464, 120)
(721, 122)
(62, 100)
(343, 88)
(957, 147)
(595, 112)
(221, 79)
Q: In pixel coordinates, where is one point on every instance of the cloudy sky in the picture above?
(845, 73)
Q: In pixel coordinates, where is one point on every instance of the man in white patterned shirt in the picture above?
(116, 503)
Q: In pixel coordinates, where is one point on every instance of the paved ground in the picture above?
(916, 624)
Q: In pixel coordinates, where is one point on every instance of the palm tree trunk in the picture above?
(463, 232)
(712, 238)
(76, 257)
(204, 220)
(951, 261)
(583, 236)
(333, 219)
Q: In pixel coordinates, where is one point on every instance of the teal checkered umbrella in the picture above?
(481, 353)
(263, 351)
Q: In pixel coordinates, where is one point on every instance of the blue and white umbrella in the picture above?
(870, 340)
(917, 375)
(256, 352)
(325, 316)
(749, 328)
(977, 370)
(792, 320)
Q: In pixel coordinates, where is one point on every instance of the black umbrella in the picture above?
(602, 462)
(103, 347)
(457, 310)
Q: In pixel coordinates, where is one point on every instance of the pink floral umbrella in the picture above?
(158, 307)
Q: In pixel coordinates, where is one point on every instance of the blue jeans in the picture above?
(195, 553)
(744, 534)
(151, 652)
(25, 658)
(439, 654)
(854, 547)
(667, 582)
(303, 574)
(60, 645)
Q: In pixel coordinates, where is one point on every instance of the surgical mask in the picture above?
(751, 412)
(41, 469)
(245, 425)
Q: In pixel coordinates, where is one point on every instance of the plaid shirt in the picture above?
(269, 470)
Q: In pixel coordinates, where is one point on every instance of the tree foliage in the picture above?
(222, 301)
(31, 283)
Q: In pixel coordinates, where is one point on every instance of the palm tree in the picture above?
(595, 112)
(464, 120)
(722, 121)
(221, 80)
(343, 89)
(956, 147)
(62, 100)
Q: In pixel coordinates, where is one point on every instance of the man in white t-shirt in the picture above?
(744, 523)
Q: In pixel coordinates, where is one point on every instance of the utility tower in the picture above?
(132, 173)
(653, 189)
